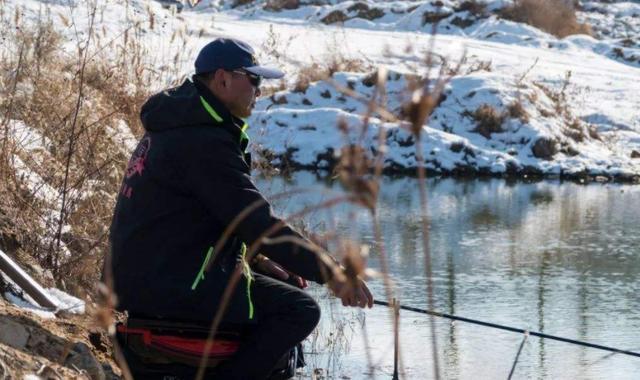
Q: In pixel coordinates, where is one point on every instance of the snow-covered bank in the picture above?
(578, 114)
(486, 125)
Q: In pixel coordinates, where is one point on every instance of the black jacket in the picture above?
(186, 181)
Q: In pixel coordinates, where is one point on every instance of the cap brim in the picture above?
(265, 72)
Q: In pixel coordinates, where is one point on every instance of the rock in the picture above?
(81, 357)
(281, 99)
(635, 154)
(456, 147)
(462, 22)
(370, 79)
(474, 7)
(13, 334)
(545, 148)
(334, 17)
(433, 17)
(238, 3)
(371, 14)
(278, 5)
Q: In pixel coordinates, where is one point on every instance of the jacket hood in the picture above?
(181, 107)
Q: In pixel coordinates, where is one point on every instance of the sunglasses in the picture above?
(254, 79)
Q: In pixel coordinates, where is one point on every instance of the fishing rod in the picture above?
(509, 328)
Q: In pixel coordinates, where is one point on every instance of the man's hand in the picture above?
(272, 269)
(352, 292)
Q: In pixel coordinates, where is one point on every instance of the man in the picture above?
(187, 180)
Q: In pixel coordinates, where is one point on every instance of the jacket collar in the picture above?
(221, 115)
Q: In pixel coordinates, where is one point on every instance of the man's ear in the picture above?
(219, 77)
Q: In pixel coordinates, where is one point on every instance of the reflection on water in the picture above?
(558, 258)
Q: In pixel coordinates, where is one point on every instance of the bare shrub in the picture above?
(57, 197)
(307, 75)
(557, 17)
(489, 120)
(516, 110)
(315, 72)
(339, 62)
(269, 91)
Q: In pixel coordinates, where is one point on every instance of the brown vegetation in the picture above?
(557, 17)
(316, 72)
(489, 120)
(308, 75)
(516, 110)
(56, 205)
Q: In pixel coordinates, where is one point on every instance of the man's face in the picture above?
(242, 93)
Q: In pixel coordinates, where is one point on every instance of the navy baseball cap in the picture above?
(232, 54)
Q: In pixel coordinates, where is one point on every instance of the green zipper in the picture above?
(247, 273)
(200, 275)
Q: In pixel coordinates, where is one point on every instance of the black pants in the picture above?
(284, 316)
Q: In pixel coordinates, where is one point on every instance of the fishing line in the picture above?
(513, 329)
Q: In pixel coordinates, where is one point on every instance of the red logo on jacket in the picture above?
(136, 164)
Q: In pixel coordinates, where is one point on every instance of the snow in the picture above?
(27, 306)
(304, 128)
(505, 62)
(66, 302)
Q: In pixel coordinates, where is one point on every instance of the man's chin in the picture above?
(249, 110)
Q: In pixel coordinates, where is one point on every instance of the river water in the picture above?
(558, 258)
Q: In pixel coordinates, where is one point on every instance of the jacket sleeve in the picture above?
(218, 175)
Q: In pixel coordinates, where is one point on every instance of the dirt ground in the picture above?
(66, 347)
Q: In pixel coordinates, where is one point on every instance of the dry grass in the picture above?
(315, 72)
(308, 75)
(489, 120)
(557, 17)
(56, 208)
(516, 110)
